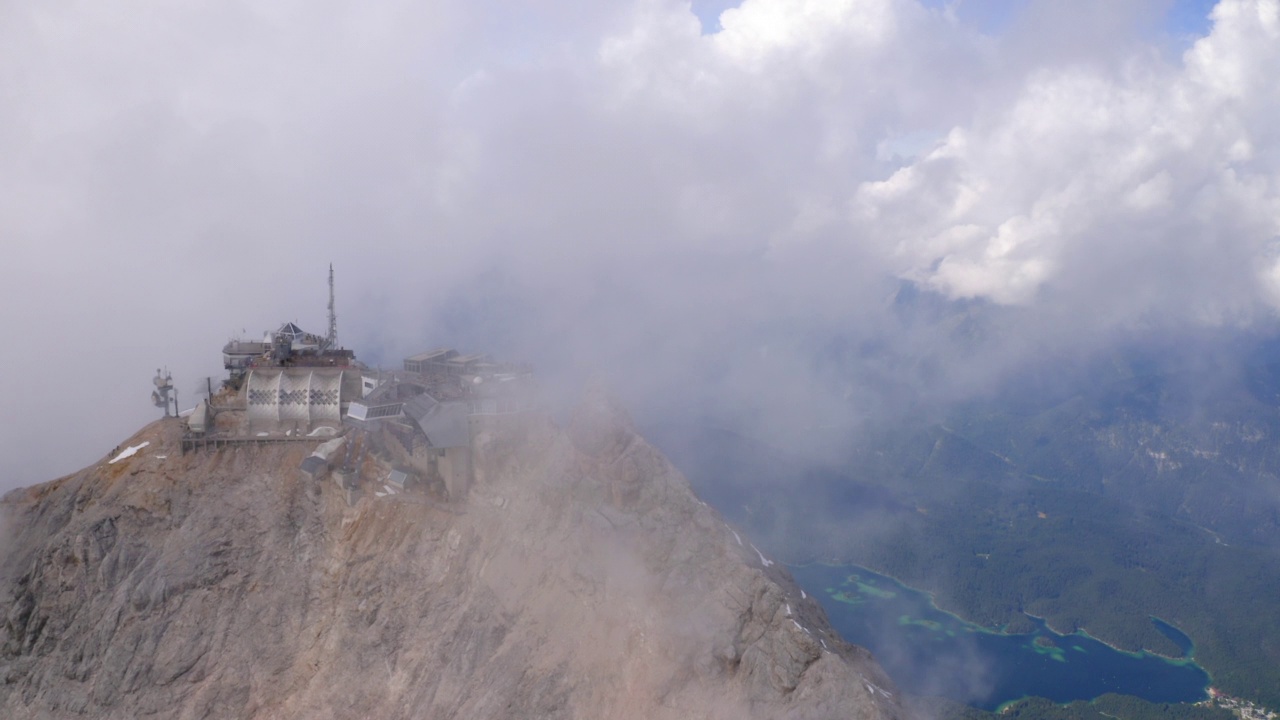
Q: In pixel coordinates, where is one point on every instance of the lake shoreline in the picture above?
(1065, 666)
(933, 598)
(1184, 660)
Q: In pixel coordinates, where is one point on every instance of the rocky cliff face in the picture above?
(581, 578)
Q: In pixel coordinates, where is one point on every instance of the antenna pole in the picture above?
(332, 340)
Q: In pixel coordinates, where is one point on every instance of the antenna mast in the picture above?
(332, 339)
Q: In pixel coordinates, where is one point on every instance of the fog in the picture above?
(716, 217)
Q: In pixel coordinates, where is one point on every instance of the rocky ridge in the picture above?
(581, 578)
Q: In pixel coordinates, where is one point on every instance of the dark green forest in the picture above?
(1095, 500)
(1107, 707)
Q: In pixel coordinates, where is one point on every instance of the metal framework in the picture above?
(332, 340)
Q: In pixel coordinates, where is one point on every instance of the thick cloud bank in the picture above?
(610, 189)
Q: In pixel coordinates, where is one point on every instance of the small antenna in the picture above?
(332, 339)
(205, 388)
(160, 396)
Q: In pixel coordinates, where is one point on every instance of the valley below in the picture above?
(1094, 503)
(936, 653)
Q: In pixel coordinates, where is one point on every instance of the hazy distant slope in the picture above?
(1096, 492)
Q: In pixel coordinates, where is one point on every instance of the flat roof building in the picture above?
(430, 360)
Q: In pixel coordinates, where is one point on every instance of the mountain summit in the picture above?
(579, 577)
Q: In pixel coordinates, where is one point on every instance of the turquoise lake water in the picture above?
(930, 652)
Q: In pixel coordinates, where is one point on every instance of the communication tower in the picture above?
(160, 396)
(332, 339)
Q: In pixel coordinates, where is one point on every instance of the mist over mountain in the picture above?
(579, 577)
(1094, 486)
(660, 198)
(876, 273)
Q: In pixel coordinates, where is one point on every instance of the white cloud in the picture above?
(605, 182)
(1089, 169)
(760, 29)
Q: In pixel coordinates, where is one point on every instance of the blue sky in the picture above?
(1183, 19)
(1189, 17)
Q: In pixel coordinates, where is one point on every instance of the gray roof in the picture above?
(437, 354)
(420, 406)
(445, 424)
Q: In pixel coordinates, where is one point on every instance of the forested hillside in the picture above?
(1095, 495)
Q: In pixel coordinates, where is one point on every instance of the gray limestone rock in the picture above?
(581, 578)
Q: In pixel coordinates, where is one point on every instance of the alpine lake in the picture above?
(930, 652)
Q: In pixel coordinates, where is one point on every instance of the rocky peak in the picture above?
(581, 577)
(599, 426)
